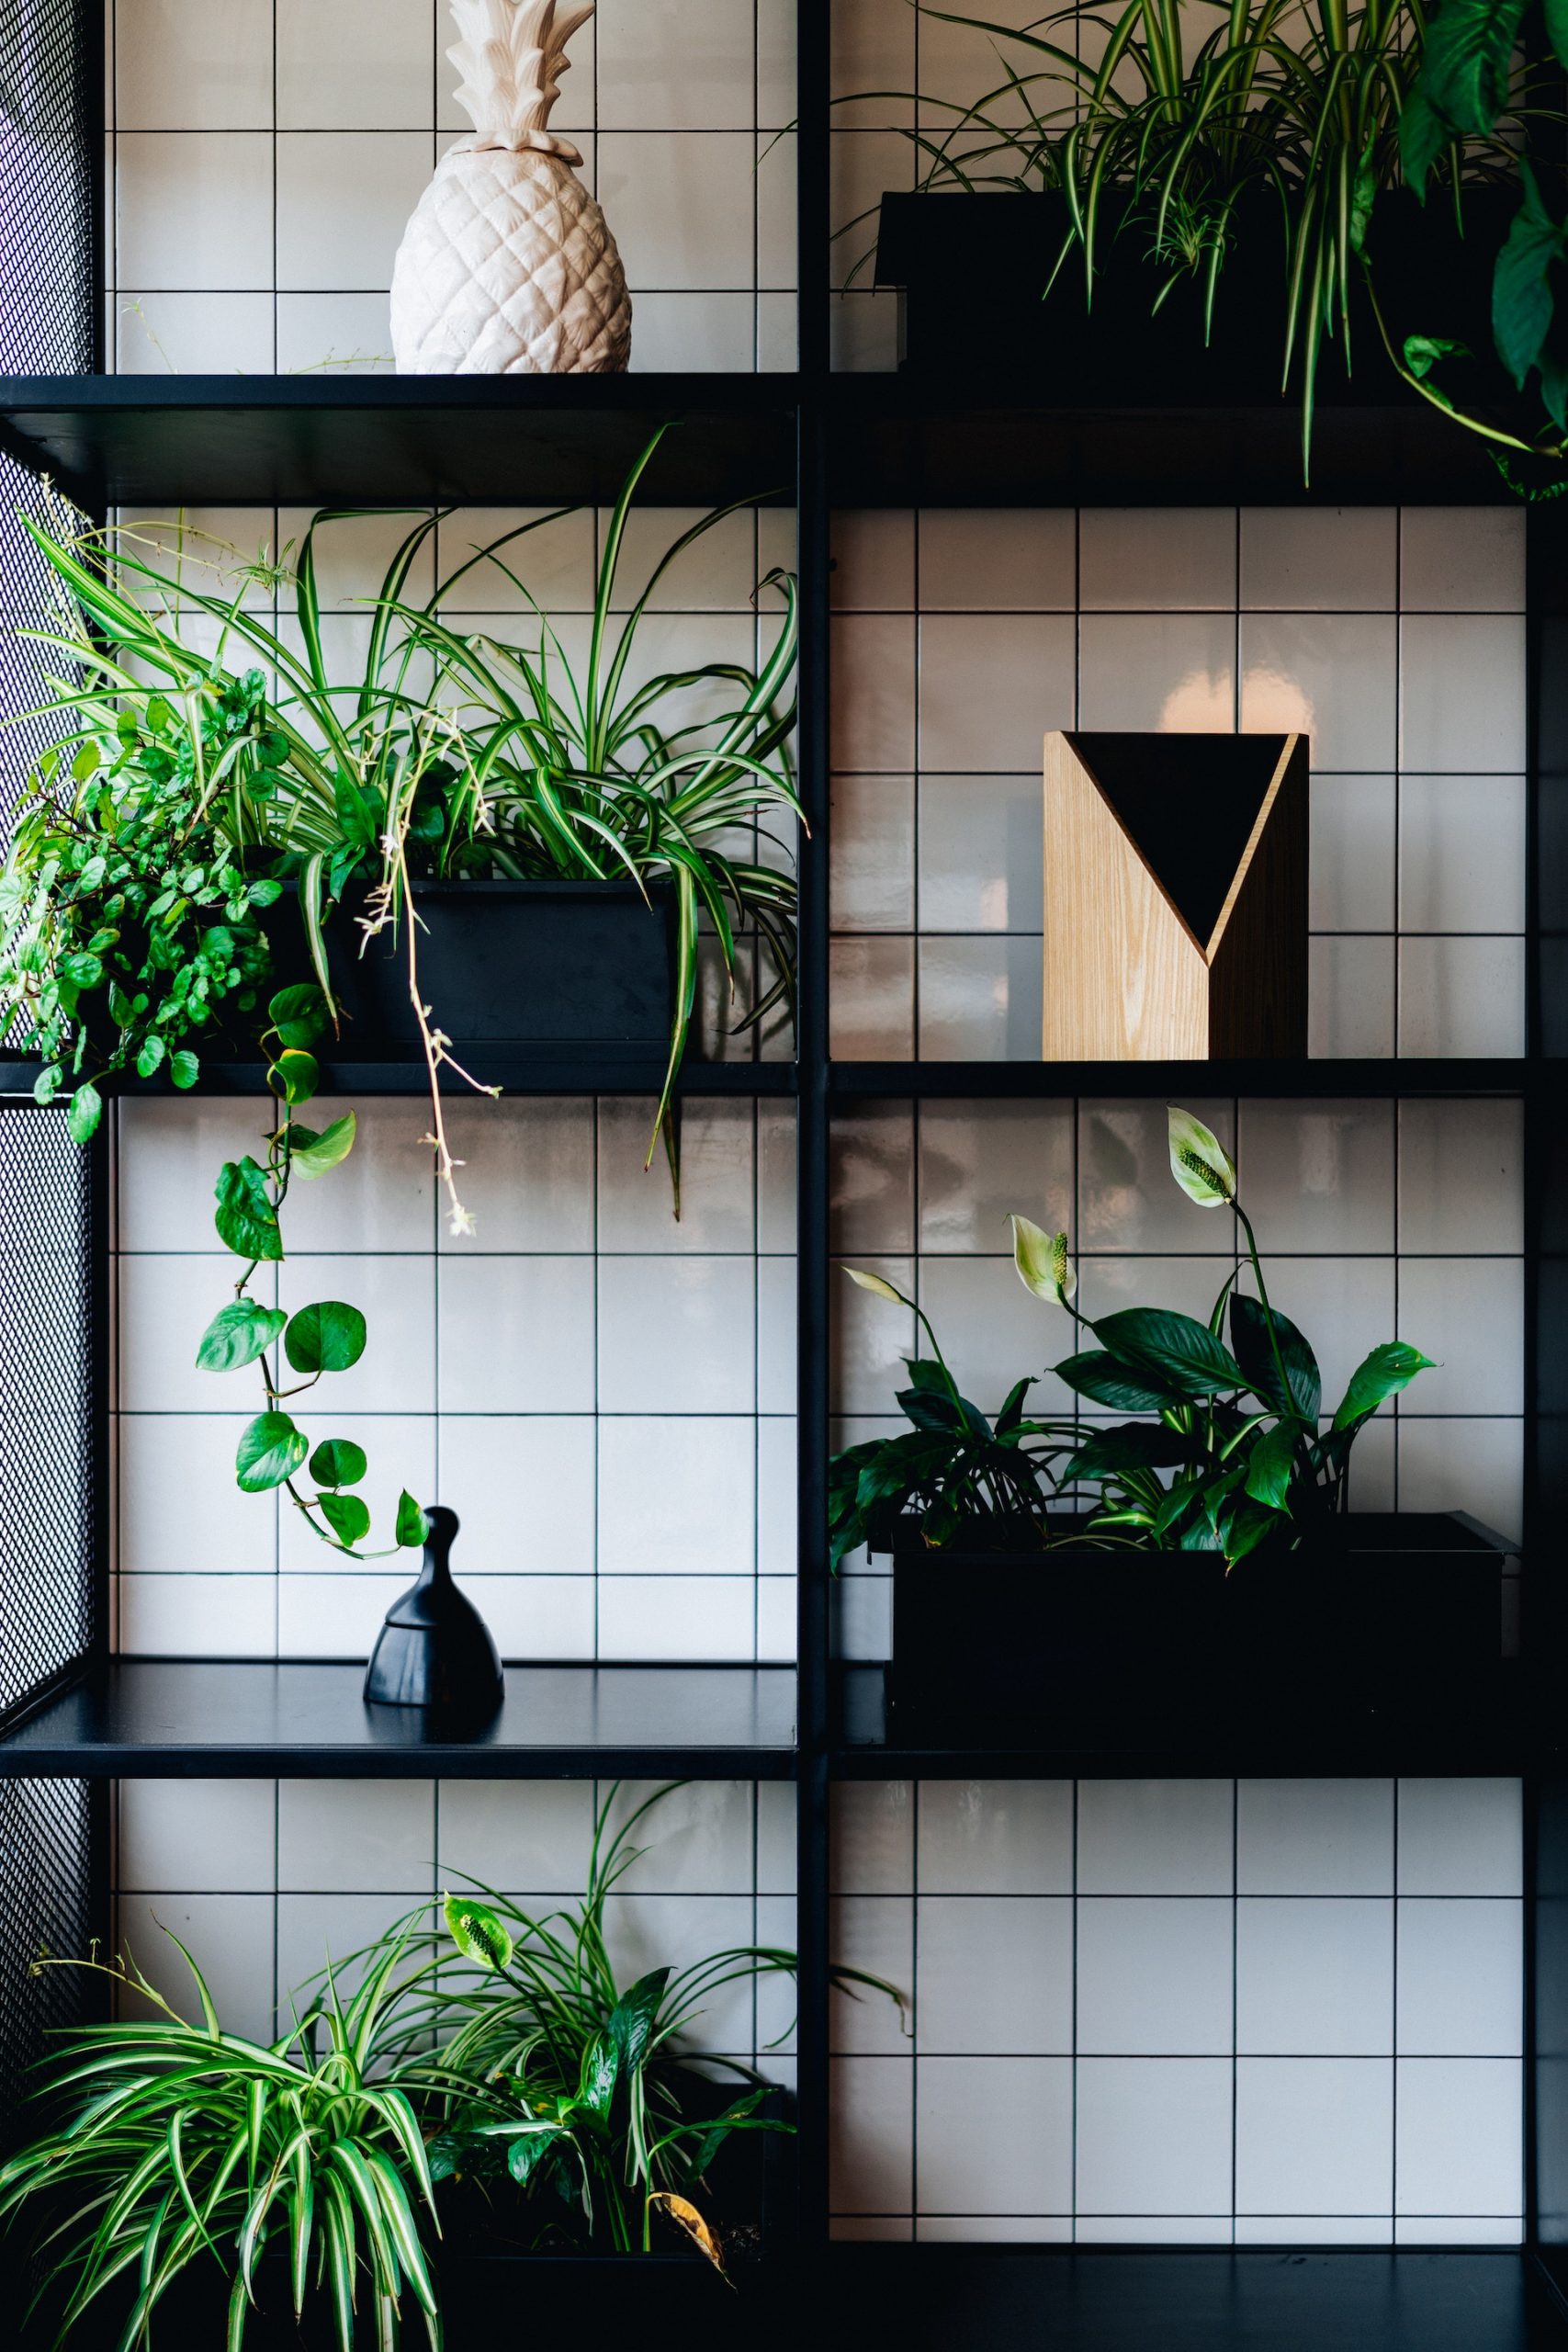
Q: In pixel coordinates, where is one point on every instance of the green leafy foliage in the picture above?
(179, 797)
(173, 2147)
(325, 1337)
(237, 1335)
(270, 1451)
(1229, 1454)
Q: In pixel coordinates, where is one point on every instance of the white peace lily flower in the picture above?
(1199, 1162)
(1041, 1261)
(874, 1283)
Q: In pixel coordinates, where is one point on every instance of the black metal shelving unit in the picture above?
(78, 1719)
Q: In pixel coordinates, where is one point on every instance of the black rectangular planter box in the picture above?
(1379, 1605)
(974, 267)
(542, 970)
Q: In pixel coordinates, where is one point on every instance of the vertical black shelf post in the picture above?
(814, 67)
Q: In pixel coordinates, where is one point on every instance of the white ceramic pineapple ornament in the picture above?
(507, 266)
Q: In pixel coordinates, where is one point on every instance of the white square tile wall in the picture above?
(1184, 2012)
(266, 1880)
(960, 638)
(265, 154)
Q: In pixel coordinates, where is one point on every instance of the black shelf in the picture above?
(962, 2299)
(386, 440)
(530, 1076)
(178, 1718)
(1210, 1730)
(983, 1081)
(910, 440)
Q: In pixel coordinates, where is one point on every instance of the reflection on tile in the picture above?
(1350, 998)
(991, 687)
(872, 996)
(1319, 1176)
(516, 1836)
(873, 692)
(1171, 672)
(717, 1187)
(378, 1836)
(1154, 1837)
(874, 1933)
(872, 1179)
(1475, 1466)
(1128, 1198)
(872, 2135)
(873, 560)
(981, 999)
(192, 1834)
(996, 1837)
(677, 1335)
(1470, 1318)
(1460, 1166)
(871, 1339)
(1353, 853)
(1461, 681)
(1318, 558)
(997, 559)
(1462, 558)
(872, 885)
(982, 853)
(1330, 676)
(1461, 853)
(873, 1827)
(993, 2134)
(536, 1315)
(1462, 996)
(981, 1161)
(1157, 559)
(993, 1332)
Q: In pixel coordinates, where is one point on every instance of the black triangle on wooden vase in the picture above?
(435, 1650)
(1175, 897)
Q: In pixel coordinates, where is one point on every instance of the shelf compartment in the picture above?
(1207, 1731)
(196, 1718)
(380, 440)
(1287, 1080)
(948, 2299)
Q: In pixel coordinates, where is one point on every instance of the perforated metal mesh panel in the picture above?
(47, 50)
(44, 1847)
(51, 56)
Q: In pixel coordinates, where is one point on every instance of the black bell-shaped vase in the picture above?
(435, 1650)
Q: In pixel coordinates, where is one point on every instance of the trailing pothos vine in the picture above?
(328, 1335)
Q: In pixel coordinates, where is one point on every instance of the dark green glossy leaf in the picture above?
(237, 1335)
(1383, 1373)
(245, 1218)
(326, 1336)
(1524, 283)
(411, 1521)
(294, 1076)
(1269, 1464)
(1469, 57)
(299, 1014)
(348, 1518)
(632, 2020)
(1132, 1445)
(338, 1462)
(1176, 1348)
(1099, 1375)
(270, 1450)
(1249, 1337)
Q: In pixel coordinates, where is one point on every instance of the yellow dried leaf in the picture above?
(681, 2210)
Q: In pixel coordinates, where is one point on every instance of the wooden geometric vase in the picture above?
(1175, 897)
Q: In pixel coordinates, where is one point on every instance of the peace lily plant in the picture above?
(1227, 1450)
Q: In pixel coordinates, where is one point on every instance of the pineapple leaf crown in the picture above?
(511, 54)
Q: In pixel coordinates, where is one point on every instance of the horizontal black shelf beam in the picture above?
(198, 1718)
(892, 440)
(530, 1076)
(968, 2299)
(1208, 1730)
(385, 440)
(869, 1081)
(910, 440)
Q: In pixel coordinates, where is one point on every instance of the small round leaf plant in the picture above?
(326, 1336)
(1226, 1447)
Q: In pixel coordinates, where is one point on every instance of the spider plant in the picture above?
(552, 2075)
(174, 2143)
(1161, 118)
(201, 758)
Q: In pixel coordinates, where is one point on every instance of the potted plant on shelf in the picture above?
(456, 2138)
(1181, 178)
(1210, 1524)
(472, 847)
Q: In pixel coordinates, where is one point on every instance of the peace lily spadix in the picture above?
(1199, 1162)
(1041, 1262)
